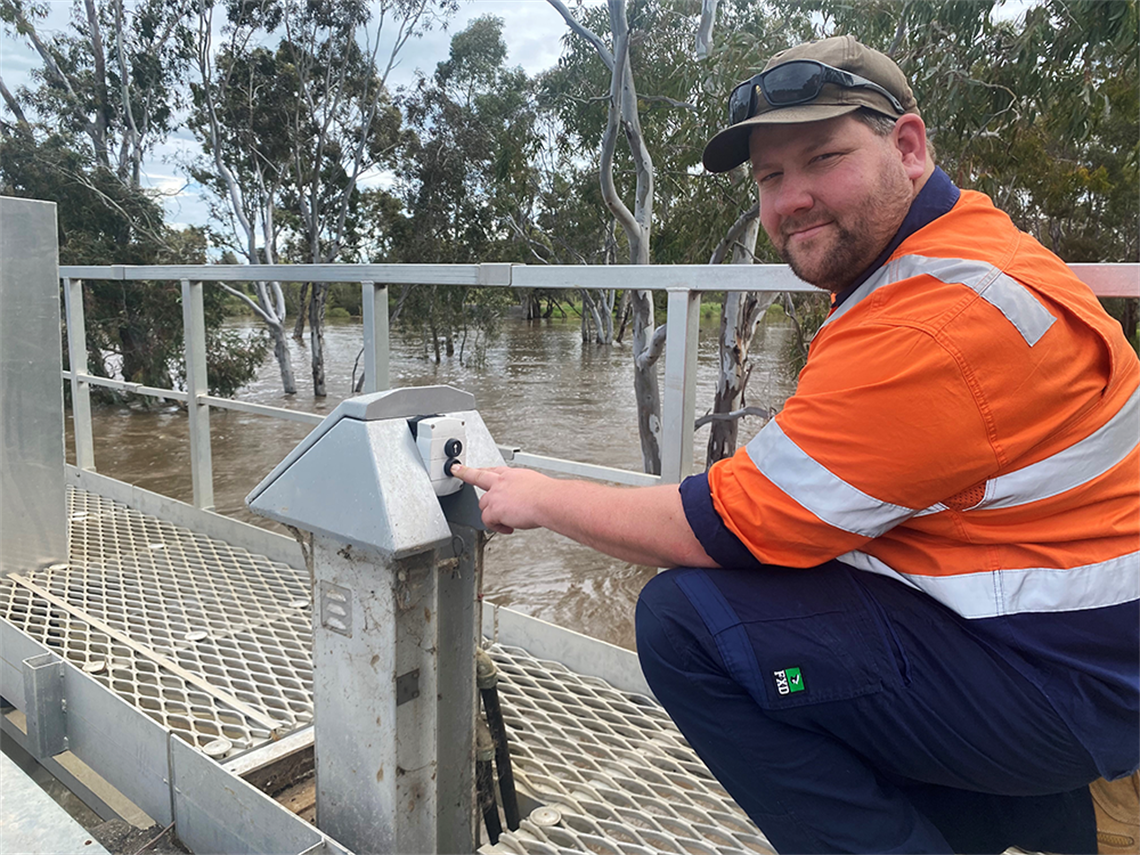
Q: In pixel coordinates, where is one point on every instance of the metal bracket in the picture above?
(336, 608)
(407, 687)
(44, 704)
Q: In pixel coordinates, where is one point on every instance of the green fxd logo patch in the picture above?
(789, 681)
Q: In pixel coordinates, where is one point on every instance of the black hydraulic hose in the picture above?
(485, 781)
(487, 678)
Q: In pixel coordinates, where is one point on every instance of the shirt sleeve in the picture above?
(722, 546)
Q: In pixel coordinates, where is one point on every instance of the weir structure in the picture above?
(174, 667)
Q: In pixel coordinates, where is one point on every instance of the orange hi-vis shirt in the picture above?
(967, 423)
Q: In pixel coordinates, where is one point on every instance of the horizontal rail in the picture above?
(127, 386)
(1106, 280)
(1110, 280)
(585, 470)
(261, 410)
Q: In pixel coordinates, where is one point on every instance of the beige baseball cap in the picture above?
(729, 148)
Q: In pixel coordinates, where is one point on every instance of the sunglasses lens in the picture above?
(740, 102)
(793, 83)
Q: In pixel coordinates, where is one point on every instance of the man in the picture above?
(905, 616)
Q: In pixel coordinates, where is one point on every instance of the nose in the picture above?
(792, 196)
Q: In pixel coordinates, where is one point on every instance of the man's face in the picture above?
(832, 195)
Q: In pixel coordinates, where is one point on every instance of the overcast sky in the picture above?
(533, 30)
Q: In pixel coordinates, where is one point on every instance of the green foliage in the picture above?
(136, 326)
(467, 183)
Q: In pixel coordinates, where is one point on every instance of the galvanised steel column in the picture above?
(396, 570)
(194, 341)
(374, 689)
(376, 343)
(80, 388)
(678, 406)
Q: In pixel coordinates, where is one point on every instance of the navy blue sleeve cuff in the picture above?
(722, 546)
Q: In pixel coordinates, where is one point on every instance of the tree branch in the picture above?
(248, 301)
(708, 418)
(14, 106)
(609, 145)
(672, 102)
(734, 232)
(572, 23)
(648, 357)
(704, 31)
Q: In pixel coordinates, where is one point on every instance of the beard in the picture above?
(833, 260)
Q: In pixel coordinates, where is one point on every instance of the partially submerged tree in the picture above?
(623, 119)
(326, 121)
(466, 178)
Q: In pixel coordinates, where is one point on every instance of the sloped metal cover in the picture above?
(358, 478)
(361, 483)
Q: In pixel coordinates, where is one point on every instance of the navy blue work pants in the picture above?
(847, 712)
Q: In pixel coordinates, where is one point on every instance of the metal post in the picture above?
(374, 691)
(678, 410)
(375, 302)
(80, 389)
(194, 340)
(459, 626)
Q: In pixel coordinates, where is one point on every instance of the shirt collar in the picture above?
(935, 198)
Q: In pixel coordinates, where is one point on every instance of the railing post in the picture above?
(194, 340)
(678, 409)
(80, 389)
(375, 303)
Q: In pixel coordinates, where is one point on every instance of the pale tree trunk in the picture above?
(270, 305)
(623, 118)
(328, 217)
(740, 314)
(600, 307)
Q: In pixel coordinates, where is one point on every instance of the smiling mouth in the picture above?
(807, 232)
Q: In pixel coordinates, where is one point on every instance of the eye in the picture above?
(827, 155)
(766, 177)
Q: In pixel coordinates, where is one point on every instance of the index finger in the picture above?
(481, 478)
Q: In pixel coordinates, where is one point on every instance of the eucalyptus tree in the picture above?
(108, 89)
(289, 168)
(680, 214)
(467, 177)
(114, 75)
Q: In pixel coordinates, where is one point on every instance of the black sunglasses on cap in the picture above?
(797, 81)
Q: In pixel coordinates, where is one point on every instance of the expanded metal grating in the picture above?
(214, 643)
(210, 640)
(613, 772)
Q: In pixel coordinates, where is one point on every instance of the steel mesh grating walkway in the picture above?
(214, 643)
(210, 640)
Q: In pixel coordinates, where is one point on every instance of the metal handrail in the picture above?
(683, 283)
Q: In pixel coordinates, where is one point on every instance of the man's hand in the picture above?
(642, 525)
(513, 497)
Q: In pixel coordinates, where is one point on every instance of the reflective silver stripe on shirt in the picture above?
(1021, 591)
(816, 488)
(883, 276)
(1078, 464)
(1003, 292)
(1066, 470)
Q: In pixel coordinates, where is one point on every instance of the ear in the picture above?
(909, 138)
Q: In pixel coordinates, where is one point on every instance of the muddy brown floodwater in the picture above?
(539, 388)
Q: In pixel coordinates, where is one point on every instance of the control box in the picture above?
(441, 442)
